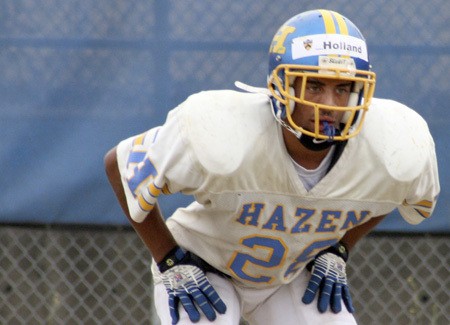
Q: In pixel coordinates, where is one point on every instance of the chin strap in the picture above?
(315, 144)
(320, 144)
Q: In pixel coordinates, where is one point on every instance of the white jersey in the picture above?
(253, 218)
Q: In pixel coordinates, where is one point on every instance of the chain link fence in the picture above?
(92, 276)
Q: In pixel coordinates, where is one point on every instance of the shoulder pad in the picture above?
(399, 136)
(222, 126)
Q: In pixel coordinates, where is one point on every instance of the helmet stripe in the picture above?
(330, 28)
(334, 22)
(343, 29)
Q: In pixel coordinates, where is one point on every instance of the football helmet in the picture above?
(320, 44)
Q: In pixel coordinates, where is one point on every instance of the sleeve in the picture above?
(422, 195)
(156, 162)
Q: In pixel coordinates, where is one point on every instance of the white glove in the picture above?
(187, 283)
(328, 277)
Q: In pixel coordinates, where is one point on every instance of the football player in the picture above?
(286, 180)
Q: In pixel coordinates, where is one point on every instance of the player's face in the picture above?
(323, 91)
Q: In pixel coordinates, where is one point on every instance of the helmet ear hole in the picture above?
(291, 102)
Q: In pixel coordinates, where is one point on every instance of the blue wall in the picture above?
(78, 76)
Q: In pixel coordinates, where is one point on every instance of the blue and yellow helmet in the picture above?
(320, 44)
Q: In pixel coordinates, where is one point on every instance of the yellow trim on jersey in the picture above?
(166, 190)
(139, 140)
(144, 205)
(424, 203)
(153, 190)
(419, 205)
(423, 213)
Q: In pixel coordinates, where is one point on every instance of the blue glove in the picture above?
(329, 279)
(186, 282)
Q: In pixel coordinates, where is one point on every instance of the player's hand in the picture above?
(329, 280)
(187, 283)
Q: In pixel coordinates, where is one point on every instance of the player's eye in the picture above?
(343, 89)
(313, 87)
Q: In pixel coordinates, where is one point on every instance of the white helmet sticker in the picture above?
(327, 63)
(329, 44)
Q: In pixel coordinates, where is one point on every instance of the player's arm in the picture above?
(153, 230)
(181, 271)
(355, 234)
